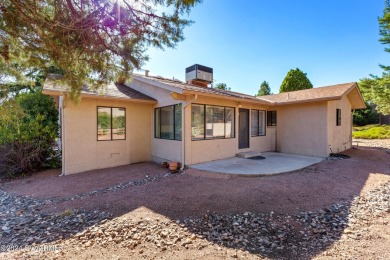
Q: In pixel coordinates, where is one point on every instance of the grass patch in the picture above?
(372, 132)
(365, 127)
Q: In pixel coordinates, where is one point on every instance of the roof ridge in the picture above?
(186, 83)
(313, 89)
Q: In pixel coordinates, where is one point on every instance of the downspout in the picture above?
(276, 131)
(350, 137)
(61, 108)
(183, 141)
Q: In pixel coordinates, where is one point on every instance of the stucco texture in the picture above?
(200, 150)
(302, 129)
(310, 129)
(81, 149)
(162, 150)
(209, 150)
(339, 137)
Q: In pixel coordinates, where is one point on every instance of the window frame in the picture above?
(273, 114)
(174, 121)
(205, 124)
(97, 123)
(338, 117)
(258, 122)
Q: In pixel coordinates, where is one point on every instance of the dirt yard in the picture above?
(334, 209)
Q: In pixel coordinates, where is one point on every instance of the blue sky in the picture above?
(246, 42)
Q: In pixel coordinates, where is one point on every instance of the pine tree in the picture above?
(295, 80)
(384, 29)
(222, 86)
(92, 42)
(264, 89)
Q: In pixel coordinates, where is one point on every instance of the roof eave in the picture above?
(259, 101)
(157, 84)
(362, 104)
(128, 99)
(307, 101)
(86, 95)
(359, 107)
(51, 92)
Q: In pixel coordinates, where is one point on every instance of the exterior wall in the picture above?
(339, 137)
(302, 129)
(82, 151)
(162, 150)
(208, 150)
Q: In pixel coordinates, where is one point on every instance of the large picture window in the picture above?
(167, 122)
(271, 118)
(211, 122)
(111, 123)
(257, 122)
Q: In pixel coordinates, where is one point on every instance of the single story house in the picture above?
(157, 119)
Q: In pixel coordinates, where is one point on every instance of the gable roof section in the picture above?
(186, 88)
(120, 91)
(116, 91)
(327, 93)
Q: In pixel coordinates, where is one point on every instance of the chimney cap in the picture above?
(147, 73)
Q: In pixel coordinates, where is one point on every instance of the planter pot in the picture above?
(173, 166)
(165, 165)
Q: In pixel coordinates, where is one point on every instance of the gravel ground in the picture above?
(377, 143)
(195, 192)
(247, 235)
(23, 224)
(325, 210)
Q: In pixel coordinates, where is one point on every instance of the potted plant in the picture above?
(173, 166)
(164, 164)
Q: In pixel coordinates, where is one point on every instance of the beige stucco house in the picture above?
(158, 119)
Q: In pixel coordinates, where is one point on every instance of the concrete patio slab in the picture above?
(247, 155)
(274, 163)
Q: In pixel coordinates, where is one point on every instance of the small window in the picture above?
(111, 123)
(271, 118)
(167, 122)
(211, 122)
(257, 122)
(338, 117)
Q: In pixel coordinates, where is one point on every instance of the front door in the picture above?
(243, 128)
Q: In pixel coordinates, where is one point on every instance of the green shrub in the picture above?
(28, 129)
(365, 116)
(372, 132)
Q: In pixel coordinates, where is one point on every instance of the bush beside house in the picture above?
(28, 130)
(365, 116)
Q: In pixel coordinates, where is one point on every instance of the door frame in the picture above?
(239, 127)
